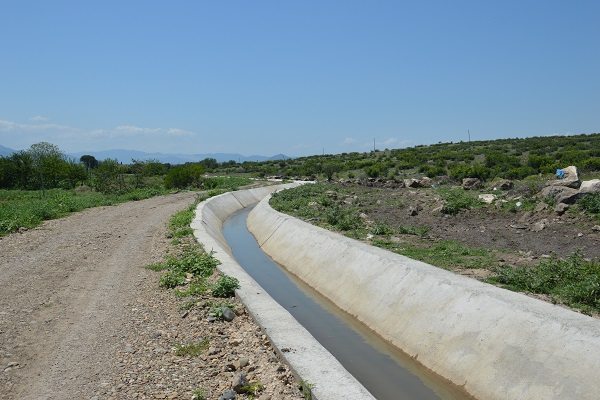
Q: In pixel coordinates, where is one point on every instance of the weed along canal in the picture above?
(383, 370)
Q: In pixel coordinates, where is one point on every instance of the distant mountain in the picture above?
(126, 156)
(5, 151)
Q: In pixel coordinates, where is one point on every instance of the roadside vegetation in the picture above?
(42, 183)
(352, 211)
(191, 271)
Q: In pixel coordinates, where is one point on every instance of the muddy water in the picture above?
(383, 370)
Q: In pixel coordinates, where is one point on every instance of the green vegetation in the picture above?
(457, 199)
(590, 203)
(27, 209)
(225, 286)
(253, 389)
(216, 308)
(199, 394)
(191, 349)
(306, 389)
(445, 254)
(572, 281)
(487, 160)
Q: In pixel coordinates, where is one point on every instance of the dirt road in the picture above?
(65, 290)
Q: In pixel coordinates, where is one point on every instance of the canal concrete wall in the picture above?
(306, 357)
(495, 343)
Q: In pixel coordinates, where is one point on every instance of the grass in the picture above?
(253, 389)
(191, 349)
(28, 209)
(572, 281)
(443, 254)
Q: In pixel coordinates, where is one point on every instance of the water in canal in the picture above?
(383, 370)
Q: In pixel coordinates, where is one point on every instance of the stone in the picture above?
(243, 362)
(560, 194)
(228, 395)
(561, 208)
(228, 314)
(487, 198)
(596, 228)
(264, 397)
(540, 225)
(503, 184)
(471, 183)
(571, 178)
(426, 182)
(411, 183)
(590, 187)
(541, 207)
(238, 382)
(414, 210)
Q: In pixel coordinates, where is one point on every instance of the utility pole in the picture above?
(469, 131)
(373, 144)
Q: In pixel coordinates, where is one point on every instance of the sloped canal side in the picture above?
(383, 370)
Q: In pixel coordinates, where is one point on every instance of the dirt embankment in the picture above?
(82, 319)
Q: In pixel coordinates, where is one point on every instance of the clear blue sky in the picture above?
(294, 77)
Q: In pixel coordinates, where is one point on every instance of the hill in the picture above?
(126, 156)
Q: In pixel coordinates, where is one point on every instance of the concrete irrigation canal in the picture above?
(492, 343)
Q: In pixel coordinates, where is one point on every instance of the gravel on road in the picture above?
(81, 318)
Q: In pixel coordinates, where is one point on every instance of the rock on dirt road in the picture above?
(65, 288)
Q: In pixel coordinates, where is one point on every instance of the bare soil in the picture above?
(512, 236)
(81, 318)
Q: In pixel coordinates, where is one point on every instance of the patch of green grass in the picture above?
(191, 349)
(420, 231)
(28, 209)
(157, 266)
(253, 389)
(443, 254)
(572, 280)
(199, 394)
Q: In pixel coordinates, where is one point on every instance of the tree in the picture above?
(89, 162)
(48, 159)
(107, 176)
(183, 176)
(330, 169)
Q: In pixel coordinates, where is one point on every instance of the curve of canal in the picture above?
(381, 368)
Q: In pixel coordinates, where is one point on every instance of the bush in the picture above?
(590, 203)
(457, 200)
(171, 279)
(225, 286)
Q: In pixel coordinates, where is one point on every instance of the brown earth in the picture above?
(512, 236)
(81, 318)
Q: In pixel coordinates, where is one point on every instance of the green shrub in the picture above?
(225, 286)
(456, 200)
(590, 203)
(171, 279)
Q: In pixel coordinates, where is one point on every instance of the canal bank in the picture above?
(496, 344)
